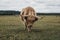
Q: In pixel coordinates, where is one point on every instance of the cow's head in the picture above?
(30, 20)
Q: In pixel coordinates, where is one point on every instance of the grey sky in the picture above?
(38, 5)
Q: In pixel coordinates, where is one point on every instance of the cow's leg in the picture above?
(25, 26)
(29, 28)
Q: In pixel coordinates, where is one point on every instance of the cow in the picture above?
(29, 17)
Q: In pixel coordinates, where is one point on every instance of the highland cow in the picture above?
(28, 16)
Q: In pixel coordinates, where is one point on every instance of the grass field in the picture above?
(48, 28)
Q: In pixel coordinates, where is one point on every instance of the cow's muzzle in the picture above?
(29, 28)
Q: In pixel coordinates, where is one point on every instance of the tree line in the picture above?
(9, 12)
(18, 12)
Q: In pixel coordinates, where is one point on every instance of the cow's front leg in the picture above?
(29, 28)
(25, 26)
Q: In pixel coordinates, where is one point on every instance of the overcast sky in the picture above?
(38, 5)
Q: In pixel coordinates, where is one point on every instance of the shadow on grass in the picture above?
(17, 31)
(32, 30)
(36, 30)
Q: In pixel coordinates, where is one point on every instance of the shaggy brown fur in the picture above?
(28, 16)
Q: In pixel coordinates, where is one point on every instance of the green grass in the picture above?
(48, 28)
